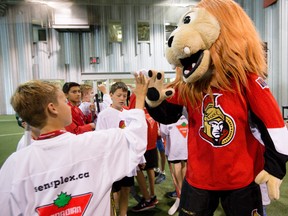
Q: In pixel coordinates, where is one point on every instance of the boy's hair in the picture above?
(118, 85)
(30, 101)
(68, 85)
(84, 88)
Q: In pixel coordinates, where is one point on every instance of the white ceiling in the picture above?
(108, 2)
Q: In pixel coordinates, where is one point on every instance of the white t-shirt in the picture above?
(176, 139)
(85, 108)
(110, 118)
(113, 118)
(74, 172)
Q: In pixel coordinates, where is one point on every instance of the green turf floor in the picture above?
(10, 134)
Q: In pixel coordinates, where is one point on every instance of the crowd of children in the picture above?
(48, 158)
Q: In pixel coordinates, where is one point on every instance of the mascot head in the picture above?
(214, 43)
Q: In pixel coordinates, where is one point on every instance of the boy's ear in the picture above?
(52, 109)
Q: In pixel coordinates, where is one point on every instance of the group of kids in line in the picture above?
(109, 143)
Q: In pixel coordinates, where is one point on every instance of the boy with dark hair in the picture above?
(61, 172)
(80, 122)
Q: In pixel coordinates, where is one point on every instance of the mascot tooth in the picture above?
(187, 50)
(237, 137)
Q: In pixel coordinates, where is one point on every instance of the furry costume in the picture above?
(220, 79)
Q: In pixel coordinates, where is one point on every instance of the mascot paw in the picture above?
(157, 93)
(273, 184)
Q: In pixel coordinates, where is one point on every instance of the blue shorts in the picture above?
(160, 145)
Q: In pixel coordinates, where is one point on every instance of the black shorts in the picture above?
(176, 161)
(151, 157)
(238, 202)
(125, 182)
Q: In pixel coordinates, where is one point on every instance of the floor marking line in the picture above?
(12, 134)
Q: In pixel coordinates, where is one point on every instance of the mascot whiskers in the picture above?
(237, 138)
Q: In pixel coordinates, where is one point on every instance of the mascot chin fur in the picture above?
(236, 132)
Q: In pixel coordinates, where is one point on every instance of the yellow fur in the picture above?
(222, 29)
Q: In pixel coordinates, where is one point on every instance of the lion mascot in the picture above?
(220, 79)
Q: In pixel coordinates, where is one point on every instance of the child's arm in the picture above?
(140, 90)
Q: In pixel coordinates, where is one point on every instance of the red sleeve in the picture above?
(78, 125)
(74, 128)
(271, 125)
(176, 99)
(88, 118)
(132, 102)
(152, 131)
(262, 103)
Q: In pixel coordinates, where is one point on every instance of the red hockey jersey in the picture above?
(223, 154)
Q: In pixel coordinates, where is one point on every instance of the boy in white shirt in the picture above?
(176, 150)
(62, 172)
(114, 117)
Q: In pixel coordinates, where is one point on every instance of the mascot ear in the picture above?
(156, 93)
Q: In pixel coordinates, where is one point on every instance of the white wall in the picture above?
(65, 56)
(272, 24)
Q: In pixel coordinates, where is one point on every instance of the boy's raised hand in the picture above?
(140, 90)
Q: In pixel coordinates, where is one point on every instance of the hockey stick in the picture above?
(96, 100)
(113, 205)
(175, 206)
(128, 98)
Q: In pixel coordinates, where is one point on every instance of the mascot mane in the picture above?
(237, 52)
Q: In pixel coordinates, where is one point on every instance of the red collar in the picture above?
(51, 134)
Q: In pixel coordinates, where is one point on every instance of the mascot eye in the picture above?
(187, 20)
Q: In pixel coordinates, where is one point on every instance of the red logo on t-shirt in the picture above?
(183, 129)
(122, 124)
(66, 205)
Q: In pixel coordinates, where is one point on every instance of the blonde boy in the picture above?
(62, 172)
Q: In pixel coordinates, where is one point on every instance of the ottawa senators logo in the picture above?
(218, 128)
(122, 124)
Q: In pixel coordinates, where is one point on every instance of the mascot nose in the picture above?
(170, 41)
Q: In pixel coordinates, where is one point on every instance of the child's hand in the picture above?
(140, 90)
(142, 166)
(93, 126)
(102, 88)
(92, 107)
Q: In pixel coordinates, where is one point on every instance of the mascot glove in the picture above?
(273, 184)
(157, 92)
